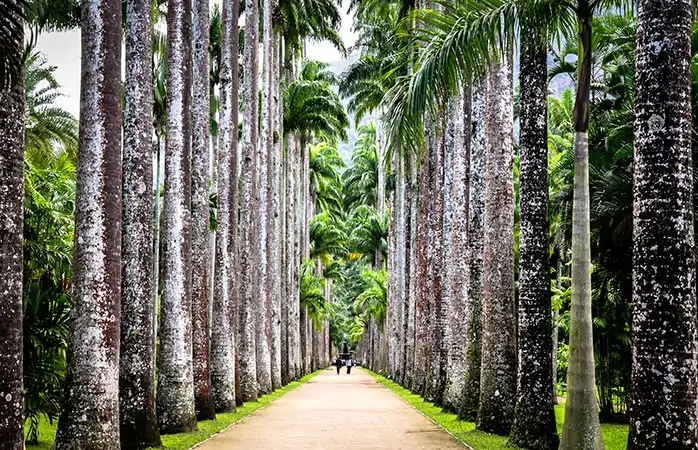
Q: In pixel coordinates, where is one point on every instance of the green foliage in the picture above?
(372, 302)
(369, 236)
(311, 294)
(312, 108)
(325, 177)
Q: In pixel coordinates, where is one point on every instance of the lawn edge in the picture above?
(302, 381)
(375, 376)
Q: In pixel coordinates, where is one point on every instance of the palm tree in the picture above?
(457, 250)
(175, 400)
(139, 427)
(664, 302)
(200, 256)
(90, 416)
(11, 183)
(534, 422)
(262, 318)
(223, 337)
(325, 179)
(249, 251)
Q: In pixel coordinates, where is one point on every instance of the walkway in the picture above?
(336, 412)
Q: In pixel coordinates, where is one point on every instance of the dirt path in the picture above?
(336, 411)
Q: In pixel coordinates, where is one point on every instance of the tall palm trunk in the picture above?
(175, 399)
(392, 312)
(201, 256)
(476, 214)
(663, 403)
(139, 427)
(582, 428)
(534, 422)
(233, 247)
(90, 415)
(421, 331)
(289, 310)
(412, 290)
(498, 371)
(11, 228)
(400, 250)
(458, 284)
(437, 352)
(275, 215)
(222, 333)
(249, 253)
(263, 340)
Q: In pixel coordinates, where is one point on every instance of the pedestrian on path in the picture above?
(339, 363)
(349, 366)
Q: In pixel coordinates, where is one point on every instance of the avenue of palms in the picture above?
(511, 237)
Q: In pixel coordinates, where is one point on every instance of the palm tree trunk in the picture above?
(139, 428)
(249, 253)
(222, 333)
(275, 217)
(262, 340)
(392, 312)
(662, 409)
(399, 270)
(291, 342)
(476, 212)
(90, 414)
(11, 227)
(201, 257)
(534, 421)
(498, 371)
(437, 353)
(233, 248)
(297, 257)
(458, 283)
(412, 286)
(581, 428)
(422, 306)
(175, 399)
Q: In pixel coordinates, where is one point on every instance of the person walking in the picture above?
(349, 363)
(339, 363)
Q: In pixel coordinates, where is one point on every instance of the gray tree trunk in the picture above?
(498, 371)
(275, 215)
(222, 333)
(175, 394)
(476, 204)
(139, 428)
(412, 205)
(262, 325)
(90, 415)
(11, 258)
(289, 246)
(249, 253)
(458, 285)
(200, 223)
(534, 420)
(664, 392)
(436, 375)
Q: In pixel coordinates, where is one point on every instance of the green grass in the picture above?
(206, 429)
(615, 437)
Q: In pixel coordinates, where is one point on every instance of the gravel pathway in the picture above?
(336, 411)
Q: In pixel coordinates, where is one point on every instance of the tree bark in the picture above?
(476, 212)
(139, 428)
(437, 313)
(664, 392)
(175, 394)
(262, 338)
(249, 253)
(412, 286)
(90, 415)
(534, 420)
(498, 371)
(275, 215)
(12, 105)
(457, 260)
(223, 331)
(581, 428)
(201, 257)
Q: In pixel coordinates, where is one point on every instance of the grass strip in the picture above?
(615, 436)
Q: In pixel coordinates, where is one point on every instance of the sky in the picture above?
(63, 51)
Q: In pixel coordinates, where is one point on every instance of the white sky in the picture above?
(63, 51)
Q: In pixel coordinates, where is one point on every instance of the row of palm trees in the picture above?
(208, 320)
(459, 330)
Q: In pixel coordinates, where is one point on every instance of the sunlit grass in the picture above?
(184, 441)
(615, 437)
